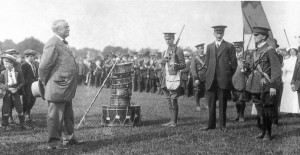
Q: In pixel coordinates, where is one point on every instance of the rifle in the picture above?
(176, 44)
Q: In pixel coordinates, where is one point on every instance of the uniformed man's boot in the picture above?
(170, 114)
(242, 110)
(174, 115)
(262, 134)
(237, 113)
(22, 122)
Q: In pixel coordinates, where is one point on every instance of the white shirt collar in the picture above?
(59, 37)
(261, 44)
(218, 42)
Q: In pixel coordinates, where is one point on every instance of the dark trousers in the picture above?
(60, 122)
(199, 92)
(212, 95)
(140, 84)
(98, 80)
(277, 104)
(152, 85)
(28, 100)
(10, 99)
(134, 82)
(146, 84)
(184, 86)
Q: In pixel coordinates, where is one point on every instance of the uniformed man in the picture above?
(264, 80)
(136, 72)
(140, 81)
(174, 62)
(185, 74)
(239, 82)
(158, 74)
(221, 63)
(198, 72)
(151, 73)
(144, 72)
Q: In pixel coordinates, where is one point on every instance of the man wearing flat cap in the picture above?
(58, 73)
(221, 63)
(30, 72)
(264, 80)
(198, 71)
(174, 62)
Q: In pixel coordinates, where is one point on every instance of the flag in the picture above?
(254, 15)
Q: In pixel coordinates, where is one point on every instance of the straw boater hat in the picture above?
(10, 58)
(38, 89)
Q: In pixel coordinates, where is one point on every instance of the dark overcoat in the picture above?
(221, 63)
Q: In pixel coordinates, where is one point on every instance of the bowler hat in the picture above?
(37, 89)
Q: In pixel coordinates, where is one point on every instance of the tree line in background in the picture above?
(36, 45)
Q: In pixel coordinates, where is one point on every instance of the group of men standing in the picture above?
(226, 70)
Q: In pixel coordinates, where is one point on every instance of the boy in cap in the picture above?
(221, 63)
(263, 81)
(30, 72)
(174, 62)
(11, 81)
(198, 71)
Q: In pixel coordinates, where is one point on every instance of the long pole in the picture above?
(96, 95)
(287, 38)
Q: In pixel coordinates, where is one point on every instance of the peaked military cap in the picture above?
(238, 44)
(219, 28)
(260, 30)
(200, 46)
(169, 35)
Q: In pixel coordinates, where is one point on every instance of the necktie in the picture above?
(218, 45)
(65, 42)
(33, 69)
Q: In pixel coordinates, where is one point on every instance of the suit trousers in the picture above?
(60, 121)
(28, 100)
(212, 95)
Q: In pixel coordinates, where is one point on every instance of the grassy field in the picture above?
(151, 138)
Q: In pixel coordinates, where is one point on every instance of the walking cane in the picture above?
(97, 94)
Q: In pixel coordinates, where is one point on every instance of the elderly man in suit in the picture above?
(30, 72)
(221, 62)
(58, 73)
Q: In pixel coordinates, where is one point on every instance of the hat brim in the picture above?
(13, 60)
(37, 89)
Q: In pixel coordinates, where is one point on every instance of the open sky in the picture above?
(138, 24)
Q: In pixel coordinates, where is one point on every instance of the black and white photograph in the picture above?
(157, 77)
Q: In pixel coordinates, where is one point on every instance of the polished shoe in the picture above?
(70, 142)
(267, 138)
(166, 124)
(198, 108)
(206, 128)
(260, 136)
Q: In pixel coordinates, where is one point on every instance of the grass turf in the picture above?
(150, 137)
